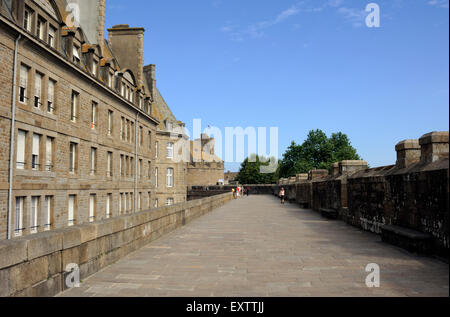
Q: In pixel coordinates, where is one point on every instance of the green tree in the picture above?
(317, 152)
(250, 172)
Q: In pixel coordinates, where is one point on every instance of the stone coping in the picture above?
(28, 248)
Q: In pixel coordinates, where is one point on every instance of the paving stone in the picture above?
(255, 247)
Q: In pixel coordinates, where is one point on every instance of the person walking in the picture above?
(234, 193)
(282, 196)
(248, 191)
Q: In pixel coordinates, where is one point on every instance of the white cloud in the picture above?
(355, 16)
(439, 3)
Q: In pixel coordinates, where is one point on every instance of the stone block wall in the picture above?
(35, 265)
(412, 194)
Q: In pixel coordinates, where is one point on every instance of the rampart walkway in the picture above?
(256, 247)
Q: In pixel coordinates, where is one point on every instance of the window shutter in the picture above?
(51, 91)
(71, 208)
(49, 150)
(21, 149)
(38, 85)
(75, 52)
(23, 76)
(36, 140)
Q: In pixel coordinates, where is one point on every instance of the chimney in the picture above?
(348, 167)
(150, 76)
(408, 153)
(127, 45)
(434, 146)
(92, 20)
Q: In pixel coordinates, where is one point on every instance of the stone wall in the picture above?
(35, 265)
(412, 194)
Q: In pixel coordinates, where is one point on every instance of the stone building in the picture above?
(85, 133)
(205, 167)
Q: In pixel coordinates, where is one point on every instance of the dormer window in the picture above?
(51, 36)
(94, 68)
(27, 20)
(110, 79)
(76, 55)
(169, 126)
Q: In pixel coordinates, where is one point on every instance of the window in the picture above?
(139, 172)
(51, 96)
(170, 150)
(149, 173)
(122, 90)
(94, 107)
(35, 153)
(76, 55)
(49, 154)
(94, 68)
(34, 214)
(51, 36)
(121, 165)
(41, 29)
(110, 122)
(74, 107)
(18, 226)
(156, 149)
(156, 177)
(140, 103)
(27, 20)
(120, 203)
(38, 90)
(20, 160)
(125, 203)
(149, 196)
(122, 121)
(169, 126)
(93, 160)
(23, 84)
(109, 165)
(92, 199)
(169, 177)
(71, 213)
(108, 205)
(170, 201)
(48, 213)
(132, 167)
(141, 136)
(139, 202)
(149, 140)
(72, 158)
(110, 79)
(127, 128)
(132, 132)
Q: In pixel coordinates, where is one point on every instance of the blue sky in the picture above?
(301, 65)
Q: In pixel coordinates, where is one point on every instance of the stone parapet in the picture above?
(434, 146)
(408, 153)
(35, 265)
